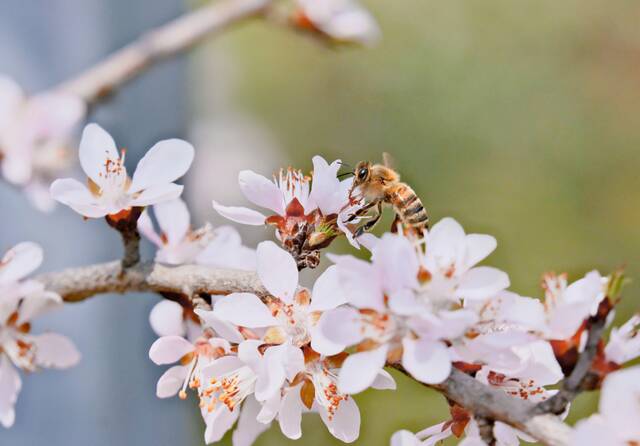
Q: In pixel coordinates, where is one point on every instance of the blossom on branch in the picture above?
(305, 210)
(35, 137)
(624, 342)
(616, 424)
(110, 191)
(343, 21)
(20, 302)
(407, 305)
(176, 241)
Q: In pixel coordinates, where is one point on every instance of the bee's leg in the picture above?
(368, 226)
(360, 212)
(396, 225)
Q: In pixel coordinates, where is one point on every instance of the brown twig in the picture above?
(158, 44)
(78, 284)
(494, 404)
(580, 377)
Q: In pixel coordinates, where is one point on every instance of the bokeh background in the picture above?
(519, 119)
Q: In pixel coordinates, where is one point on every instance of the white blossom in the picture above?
(110, 190)
(20, 302)
(341, 20)
(35, 135)
(619, 411)
(624, 342)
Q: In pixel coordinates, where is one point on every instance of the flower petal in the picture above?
(277, 271)
(326, 191)
(341, 326)
(56, 114)
(11, 97)
(174, 219)
(404, 438)
(10, 385)
(218, 422)
(171, 381)
(96, 147)
(166, 319)
(290, 414)
(145, 226)
(619, 402)
(223, 328)
(239, 214)
(482, 282)
(273, 373)
(327, 293)
(259, 190)
(479, 246)
(157, 194)
(360, 370)
(345, 424)
(227, 251)
(169, 349)
(19, 261)
(244, 309)
(55, 351)
(249, 428)
(322, 345)
(595, 431)
(427, 361)
(384, 381)
(164, 163)
(75, 195)
(396, 262)
(37, 302)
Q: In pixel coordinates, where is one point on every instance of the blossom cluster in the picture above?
(22, 300)
(422, 303)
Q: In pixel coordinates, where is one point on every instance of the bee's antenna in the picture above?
(345, 164)
(344, 174)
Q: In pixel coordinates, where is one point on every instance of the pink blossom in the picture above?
(20, 302)
(624, 342)
(177, 242)
(619, 411)
(341, 20)
(295, 200)
(35, 134)
(567, 306)
(110, 189)
(399, 312)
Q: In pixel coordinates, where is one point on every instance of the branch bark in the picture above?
(158, 44)
(78, 284)
(493, 404)
(580, 377)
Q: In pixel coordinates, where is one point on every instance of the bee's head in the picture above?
(362, 172)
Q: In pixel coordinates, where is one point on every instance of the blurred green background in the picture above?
(519, 119)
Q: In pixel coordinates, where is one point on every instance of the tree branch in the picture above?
(580, 377)
(493, 404)
(158, 44)
(78, 284)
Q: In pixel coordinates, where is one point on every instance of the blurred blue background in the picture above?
(519, 119)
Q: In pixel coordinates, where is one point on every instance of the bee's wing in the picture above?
(388, 160)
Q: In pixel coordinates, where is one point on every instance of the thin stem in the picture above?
(158, 44)
(580, 376)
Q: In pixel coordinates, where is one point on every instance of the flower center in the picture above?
(325, 382)
(229, 389)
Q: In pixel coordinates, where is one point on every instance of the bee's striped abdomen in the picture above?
(409, 207)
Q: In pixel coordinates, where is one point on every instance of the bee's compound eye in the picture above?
(362, 173)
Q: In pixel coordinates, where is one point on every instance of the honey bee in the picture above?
(380, 184)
